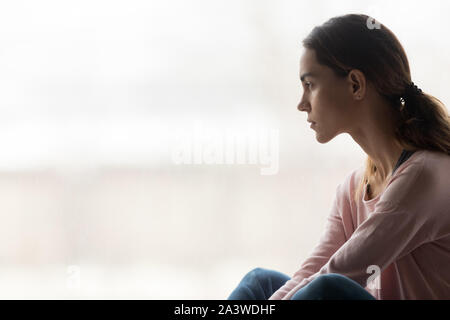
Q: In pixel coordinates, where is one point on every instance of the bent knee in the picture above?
(330, 281)
(260, 274)
(256, 272)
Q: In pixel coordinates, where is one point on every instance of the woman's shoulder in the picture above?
(435, 167)
(354, 176)
(431, 163)
(427, 162)
(432, 157)
(423, 179)
(351, 181)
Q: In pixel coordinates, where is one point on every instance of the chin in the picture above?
(323, 141)
(322, 138)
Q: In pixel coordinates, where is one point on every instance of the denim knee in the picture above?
(329, 281)
(332, 286)
(266, 277)
(255, 273)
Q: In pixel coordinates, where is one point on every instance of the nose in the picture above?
(303, 106)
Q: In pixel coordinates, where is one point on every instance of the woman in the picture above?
(388, 233)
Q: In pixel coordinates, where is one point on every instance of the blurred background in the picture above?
(112, 116)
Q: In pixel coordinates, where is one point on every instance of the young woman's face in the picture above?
(327, 99)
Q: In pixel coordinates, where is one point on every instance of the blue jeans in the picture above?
(260, 284)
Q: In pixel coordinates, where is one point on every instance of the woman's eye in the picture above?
(308, 84)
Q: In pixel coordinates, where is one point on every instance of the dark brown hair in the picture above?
(357, 41)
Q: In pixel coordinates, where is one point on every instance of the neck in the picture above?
(375, 135)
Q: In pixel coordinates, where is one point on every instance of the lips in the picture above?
(312, 123)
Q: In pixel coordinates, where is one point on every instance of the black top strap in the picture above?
(403, 157)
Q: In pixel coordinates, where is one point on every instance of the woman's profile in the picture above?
(387, 235)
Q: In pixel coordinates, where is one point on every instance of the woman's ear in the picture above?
(357, 83)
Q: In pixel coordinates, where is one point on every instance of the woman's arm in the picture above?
(405, 217)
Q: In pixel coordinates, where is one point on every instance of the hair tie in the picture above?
(412, 89)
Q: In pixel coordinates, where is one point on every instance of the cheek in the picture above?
(326, 104)
(331, 113)
(334, 103)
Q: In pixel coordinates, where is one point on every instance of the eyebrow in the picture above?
(307, 74)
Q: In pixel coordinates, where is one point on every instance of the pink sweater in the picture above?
(405, 231)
